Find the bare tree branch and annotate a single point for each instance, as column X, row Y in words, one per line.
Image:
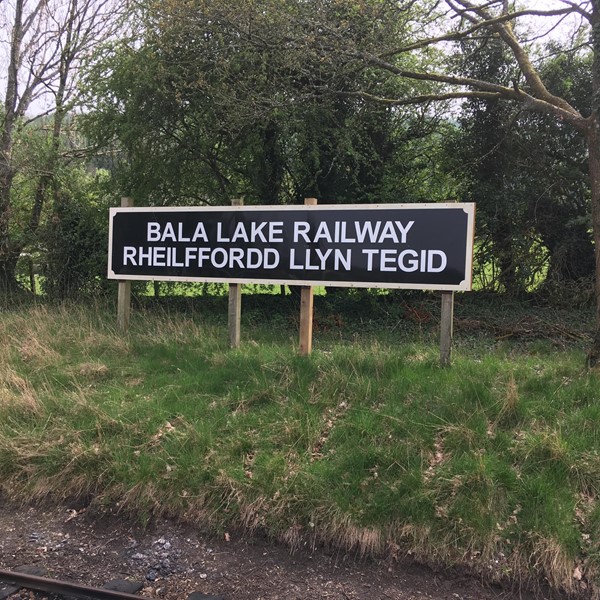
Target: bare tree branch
column 578, row 9
column 422, row 98
column 482, row 89
column 531, row 74
column 478, row 25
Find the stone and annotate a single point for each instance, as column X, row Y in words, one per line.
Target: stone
column 122, row 585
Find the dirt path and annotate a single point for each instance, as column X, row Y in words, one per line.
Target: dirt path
column 174, row 560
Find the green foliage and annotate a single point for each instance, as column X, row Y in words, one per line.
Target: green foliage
column 75, row 237
column 220, row 101
column 31, row 150
column 527, row 172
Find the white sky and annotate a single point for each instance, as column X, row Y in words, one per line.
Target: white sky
column 562, row 29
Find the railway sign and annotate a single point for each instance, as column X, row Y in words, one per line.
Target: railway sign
column 416, row 246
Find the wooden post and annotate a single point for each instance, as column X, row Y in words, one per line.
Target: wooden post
column 124, row 294
column 446, row 326
column 235, row 303
column 306, row 308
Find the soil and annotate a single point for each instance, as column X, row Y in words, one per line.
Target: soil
column 173, row 560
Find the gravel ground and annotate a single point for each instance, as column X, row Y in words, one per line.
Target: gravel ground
column 174, row 560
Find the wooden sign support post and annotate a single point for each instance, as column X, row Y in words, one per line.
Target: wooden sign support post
column 446, row 327
column 235, row 303
column 306, row 308
column 124, row 292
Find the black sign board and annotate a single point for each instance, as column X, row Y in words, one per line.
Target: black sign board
column 418, row 246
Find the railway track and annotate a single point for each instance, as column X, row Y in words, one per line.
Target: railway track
column 29, row 578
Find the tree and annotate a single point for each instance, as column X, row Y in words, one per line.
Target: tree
column 217, row 100
column 73, row 262
column 467, row 20
column 560, row 205
column 48, row 39
column 526, row 172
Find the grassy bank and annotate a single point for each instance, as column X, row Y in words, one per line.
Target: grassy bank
column 368, row 444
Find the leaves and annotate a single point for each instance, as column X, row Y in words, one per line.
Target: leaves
column 219, row 100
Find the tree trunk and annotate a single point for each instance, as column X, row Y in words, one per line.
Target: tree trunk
column 8, row 279
column 8, row 255
column 593, row 358
column 8, row 260
column 593, row 140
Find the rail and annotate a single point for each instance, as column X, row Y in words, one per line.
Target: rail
column 14, row 580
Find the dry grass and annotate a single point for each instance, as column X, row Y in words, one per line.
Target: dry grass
column 509, row 400
column 367, row 541
column 35, row 351
column 16, row 393
column 92, row 370
column 551, row 561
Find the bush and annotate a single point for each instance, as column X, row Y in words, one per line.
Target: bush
column 76, row 240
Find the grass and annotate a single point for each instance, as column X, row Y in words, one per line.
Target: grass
column 368, row 444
